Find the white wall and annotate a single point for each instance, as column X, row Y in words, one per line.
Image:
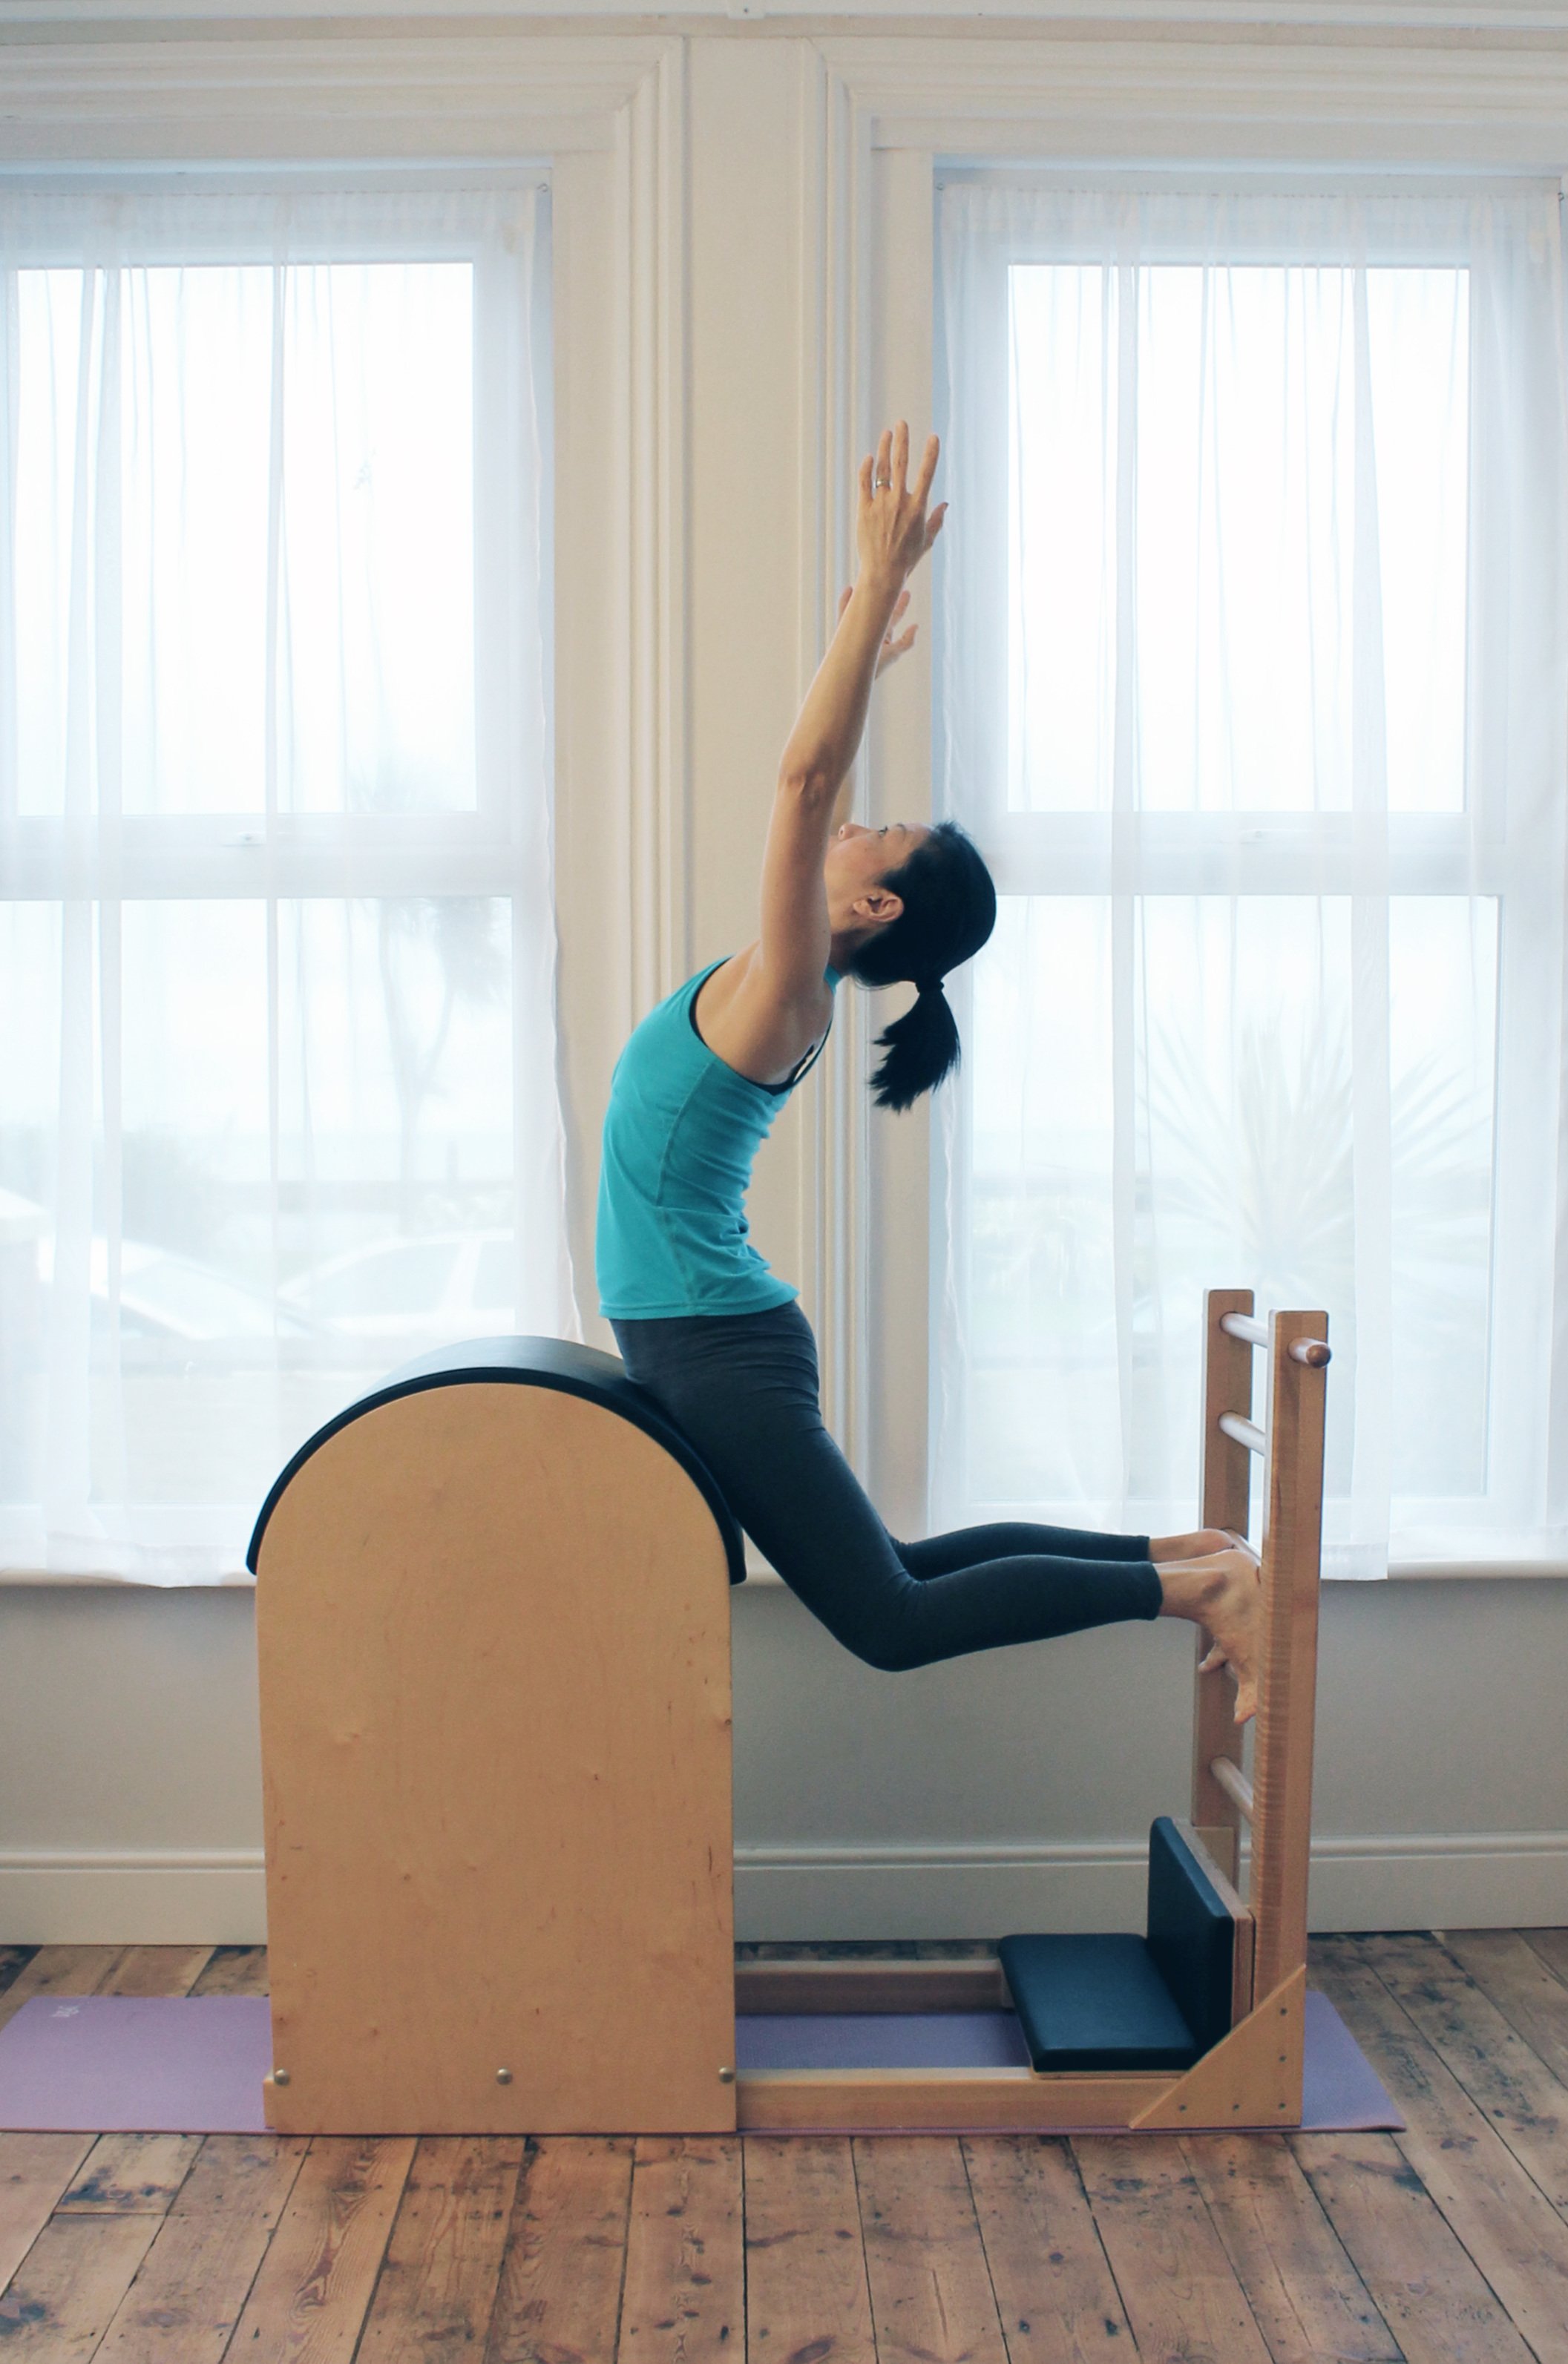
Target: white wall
column 1008, row 1789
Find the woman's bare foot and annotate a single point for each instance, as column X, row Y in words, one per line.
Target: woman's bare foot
column 1220, row 1592
column 1203, row 1544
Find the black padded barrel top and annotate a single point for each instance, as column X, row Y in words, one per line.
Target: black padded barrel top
column 557, row 1363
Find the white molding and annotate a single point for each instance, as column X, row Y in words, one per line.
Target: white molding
column 339, row 93
column 1210, row 94
column 834, row 395
column 927, row 1888
column 786, row 19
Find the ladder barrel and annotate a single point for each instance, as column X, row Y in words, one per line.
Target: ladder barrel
column 493, row 1628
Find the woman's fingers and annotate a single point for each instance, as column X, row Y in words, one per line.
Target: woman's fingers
column 897, row 532
column 893, row 650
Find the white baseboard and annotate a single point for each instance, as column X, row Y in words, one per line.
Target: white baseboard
column 1470, row 1879
column 1481, row 1880
column 158, row 1897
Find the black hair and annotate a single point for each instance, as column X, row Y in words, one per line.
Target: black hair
column 950, row 909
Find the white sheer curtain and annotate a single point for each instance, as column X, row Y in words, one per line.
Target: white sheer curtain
column 278, row 1103
column 1253, row 619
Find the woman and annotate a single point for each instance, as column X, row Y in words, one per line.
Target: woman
column 700, row 1321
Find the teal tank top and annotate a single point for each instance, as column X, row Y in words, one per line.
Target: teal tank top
column 680, row 1134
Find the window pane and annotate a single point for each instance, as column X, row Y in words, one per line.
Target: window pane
column 1212, row 499
column 311, row 1133
column 290, row 527
column 1236, row 1157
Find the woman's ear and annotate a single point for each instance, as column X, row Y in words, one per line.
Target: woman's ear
column 877, row 907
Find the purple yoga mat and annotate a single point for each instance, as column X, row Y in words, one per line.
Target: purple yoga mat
column 1340, row 2090
column 926, row 2039
column 130, row 2064
column 135, row 2064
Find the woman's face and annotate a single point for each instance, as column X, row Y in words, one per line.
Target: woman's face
column 859, row 858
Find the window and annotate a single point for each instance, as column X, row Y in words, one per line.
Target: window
column 274, row 772
column 1253, row 691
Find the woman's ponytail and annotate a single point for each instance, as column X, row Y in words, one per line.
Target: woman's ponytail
column 920, row 1048
column 950, row 909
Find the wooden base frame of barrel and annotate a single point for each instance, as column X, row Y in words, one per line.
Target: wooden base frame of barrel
column 494, row 1640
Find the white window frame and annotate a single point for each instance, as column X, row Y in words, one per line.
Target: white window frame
column 891, row 120
column 603, row 119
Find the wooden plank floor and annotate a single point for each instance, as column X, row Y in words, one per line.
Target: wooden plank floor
column 1445, row 2244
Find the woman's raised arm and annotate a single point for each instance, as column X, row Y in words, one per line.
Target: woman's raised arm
column 892, row 534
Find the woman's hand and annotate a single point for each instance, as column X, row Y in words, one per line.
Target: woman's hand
column 892, row 532
column 891, row 650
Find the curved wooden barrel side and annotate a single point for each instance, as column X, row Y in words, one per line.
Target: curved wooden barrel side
column 494, row 1642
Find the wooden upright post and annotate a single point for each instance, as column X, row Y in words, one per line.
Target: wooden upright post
column 1282, row 1756
column 1226, row 1483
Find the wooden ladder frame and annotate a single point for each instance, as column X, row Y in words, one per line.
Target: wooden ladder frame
column 1253, row 2077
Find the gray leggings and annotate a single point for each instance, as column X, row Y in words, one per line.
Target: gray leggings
column 744, row 1387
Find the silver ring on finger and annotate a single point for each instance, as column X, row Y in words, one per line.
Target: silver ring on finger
column 881, row 483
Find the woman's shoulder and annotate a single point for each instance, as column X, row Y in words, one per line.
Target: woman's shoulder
column 751, row 1026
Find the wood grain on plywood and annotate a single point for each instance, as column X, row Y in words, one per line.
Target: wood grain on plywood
column 1252, row 2076
column 939, row 2101
column 520, row 1881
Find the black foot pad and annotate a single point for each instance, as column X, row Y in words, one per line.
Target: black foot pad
column 1094, row 2003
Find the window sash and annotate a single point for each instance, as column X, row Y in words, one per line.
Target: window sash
column 1490, row 850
